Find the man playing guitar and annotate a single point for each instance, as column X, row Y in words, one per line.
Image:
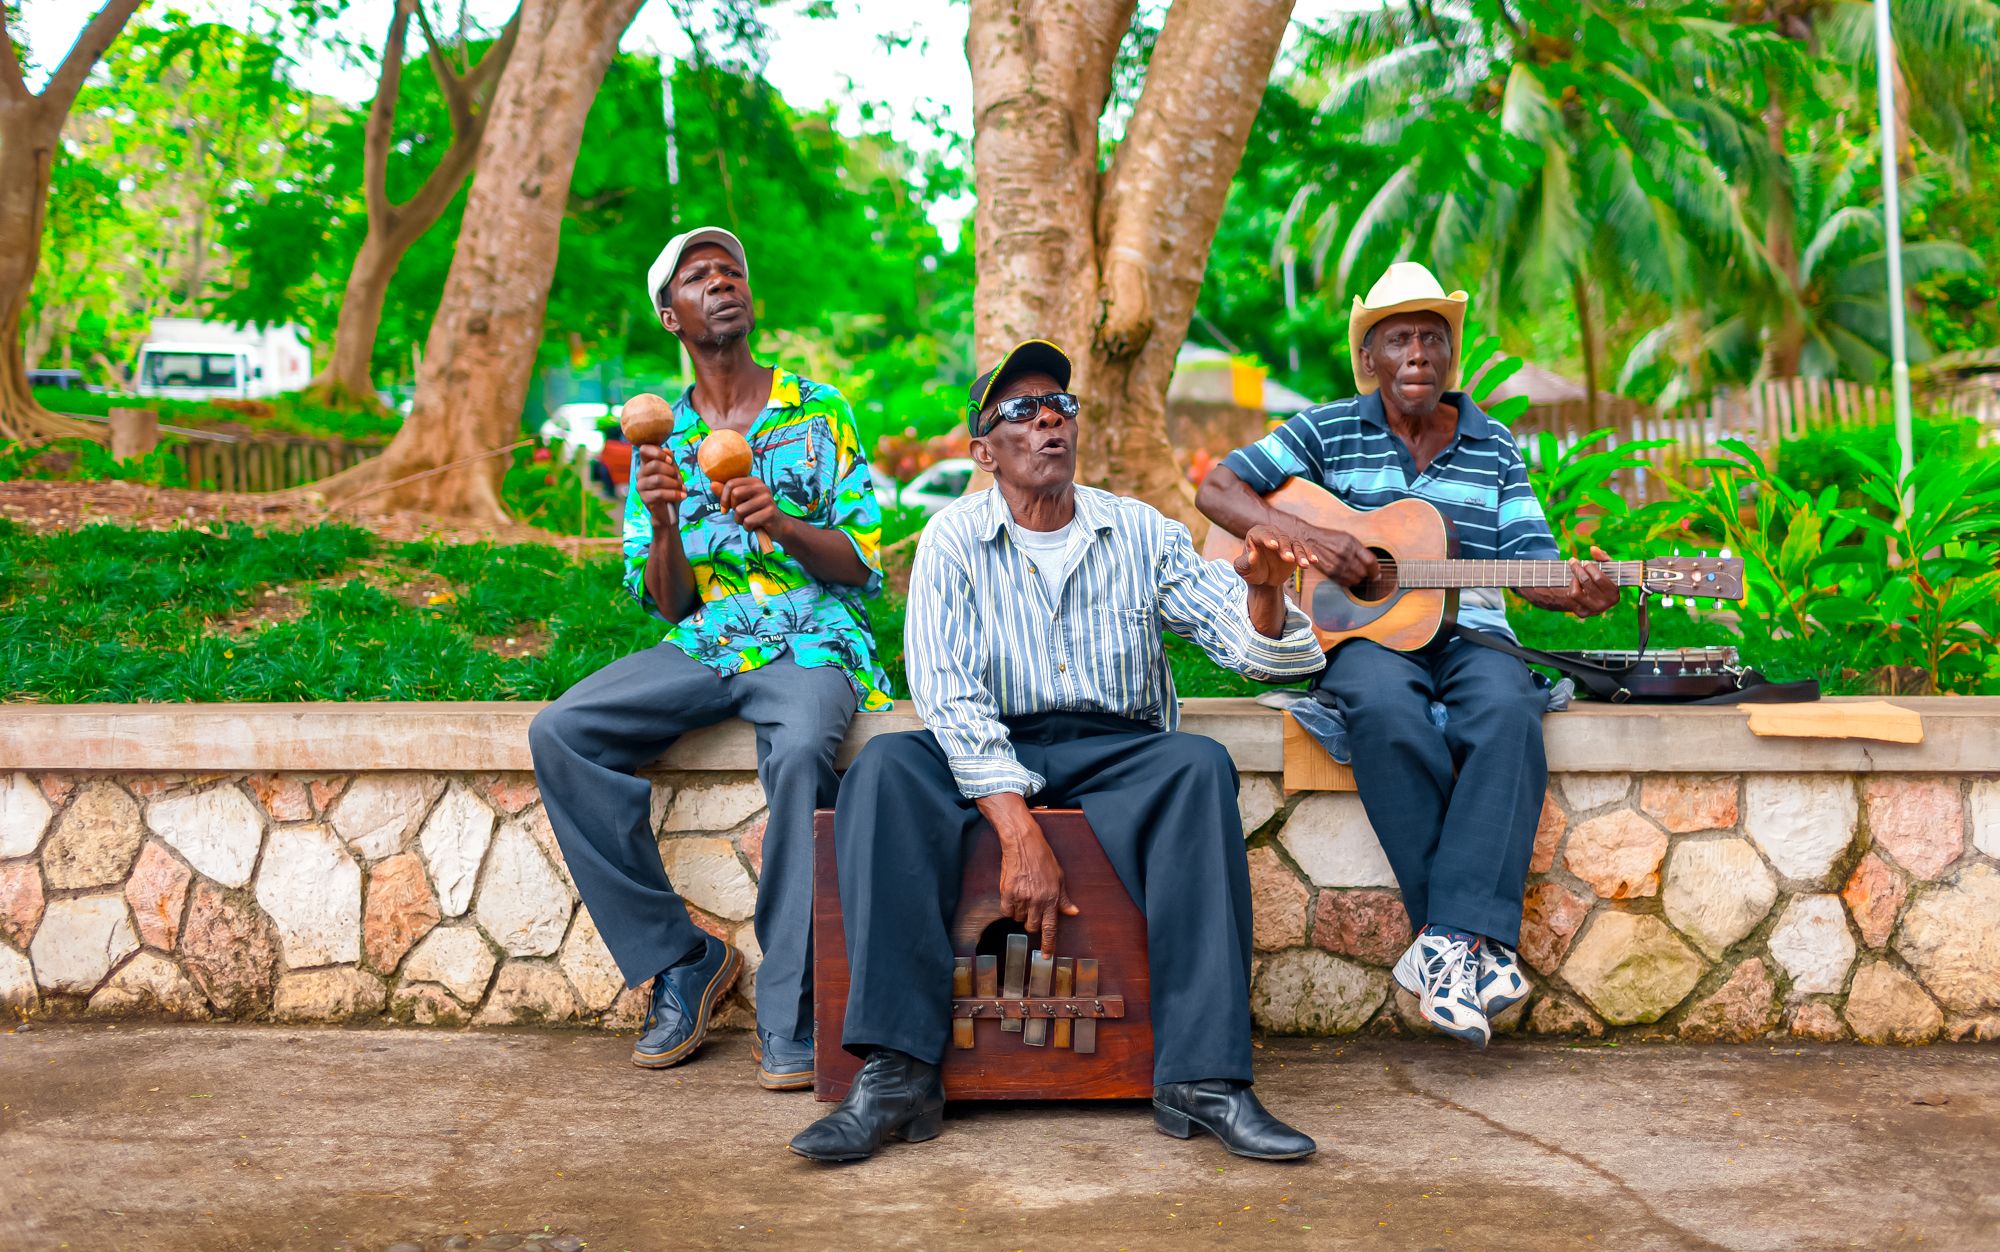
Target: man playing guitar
column 1455, row 807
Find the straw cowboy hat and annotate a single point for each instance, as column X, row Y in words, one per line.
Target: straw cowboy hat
column 1406, row 287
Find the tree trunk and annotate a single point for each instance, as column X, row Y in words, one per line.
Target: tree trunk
column 347, row 380
column 1788, row 341
column 1586, row 333
column 30, row 128
column 1109, row 267
column 482, row 345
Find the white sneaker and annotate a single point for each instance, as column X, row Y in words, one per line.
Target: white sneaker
column 1500, row 983
column 1443, row 974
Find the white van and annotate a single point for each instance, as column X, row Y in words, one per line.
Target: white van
column 188, row 359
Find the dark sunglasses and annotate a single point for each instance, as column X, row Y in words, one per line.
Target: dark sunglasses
column 1026, row 408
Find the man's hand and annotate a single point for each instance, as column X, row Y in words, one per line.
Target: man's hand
column 1337, row 554
column 1031, row 879
column 1590, row 589
column 1269, row 559
column 659, row 485
column 750, row 499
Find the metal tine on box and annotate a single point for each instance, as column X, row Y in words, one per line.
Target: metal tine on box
column 1086, row 988
column 1065, row 988
column 1014, row 982
column 961, row 987
column 1040, row 970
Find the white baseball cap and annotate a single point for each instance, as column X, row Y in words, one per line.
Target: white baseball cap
column 669, row 260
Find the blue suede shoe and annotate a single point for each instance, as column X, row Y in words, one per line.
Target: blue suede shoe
column 783, row 1064
column 684, row 999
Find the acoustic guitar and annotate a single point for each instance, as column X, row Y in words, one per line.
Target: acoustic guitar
column 1414, row 596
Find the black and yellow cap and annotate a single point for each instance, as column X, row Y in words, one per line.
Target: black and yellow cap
column 1029, row 354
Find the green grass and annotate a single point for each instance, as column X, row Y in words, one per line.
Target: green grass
column 112, row 614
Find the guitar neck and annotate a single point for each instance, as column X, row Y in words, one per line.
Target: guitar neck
column 1460, row 573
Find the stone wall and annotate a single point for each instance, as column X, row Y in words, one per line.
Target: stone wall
column 1705, row 907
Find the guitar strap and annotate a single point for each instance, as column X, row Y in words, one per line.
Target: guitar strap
column 1607, row 683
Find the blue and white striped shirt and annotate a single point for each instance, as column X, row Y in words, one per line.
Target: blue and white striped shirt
column 984, row 640
column 1478, row 482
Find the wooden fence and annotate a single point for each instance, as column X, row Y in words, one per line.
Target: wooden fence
column 266, row 462
column 1763, row 416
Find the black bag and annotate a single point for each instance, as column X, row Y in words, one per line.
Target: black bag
column 1684, row 676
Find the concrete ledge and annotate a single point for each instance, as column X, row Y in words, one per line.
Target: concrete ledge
column 1960, row 736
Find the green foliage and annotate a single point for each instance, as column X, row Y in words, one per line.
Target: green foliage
column 280, row 415
column 1824, row 456
column 1569, row 481
column 542, row 489
column 1614, row 183
column 1846, row 591
column 87, row 461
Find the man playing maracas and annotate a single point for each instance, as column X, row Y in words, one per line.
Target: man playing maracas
column 773, row 634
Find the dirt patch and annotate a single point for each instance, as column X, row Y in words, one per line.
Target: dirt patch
column 529, row 640
column 272, row 606
column 46, row 506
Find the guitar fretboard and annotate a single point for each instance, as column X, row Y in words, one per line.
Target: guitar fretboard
column 1461, row 573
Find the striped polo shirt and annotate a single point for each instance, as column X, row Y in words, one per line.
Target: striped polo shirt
column 1478, row 482
column 986, row 636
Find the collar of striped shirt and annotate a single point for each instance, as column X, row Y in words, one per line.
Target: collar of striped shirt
column 995, row 517
column 1472, row 420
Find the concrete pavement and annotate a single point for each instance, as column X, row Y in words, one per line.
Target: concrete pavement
column 236, row 1137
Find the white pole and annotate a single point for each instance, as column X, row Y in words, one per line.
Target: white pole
column 1892, row 222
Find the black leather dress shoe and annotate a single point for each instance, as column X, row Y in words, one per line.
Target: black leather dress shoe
column 1232, row 1113
column 894, row 1094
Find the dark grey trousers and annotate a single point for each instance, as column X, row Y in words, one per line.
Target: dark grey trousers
column 586, row 747
column 1162, row 805
column 1459, row 844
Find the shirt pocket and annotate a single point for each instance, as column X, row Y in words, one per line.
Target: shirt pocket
column 1125, row 635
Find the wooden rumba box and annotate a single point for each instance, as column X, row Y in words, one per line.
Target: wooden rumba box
column 1093, row 1045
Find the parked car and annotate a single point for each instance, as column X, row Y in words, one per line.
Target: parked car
column 938, row 485
column 189, row 359
column 580, row 425
column 61, row 380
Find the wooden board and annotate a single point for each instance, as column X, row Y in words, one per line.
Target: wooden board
column 1861, row 719
column 1307, row 765
column 1000, row 1065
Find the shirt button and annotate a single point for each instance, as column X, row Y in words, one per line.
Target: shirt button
column 1062, row 667
column 1032, row 569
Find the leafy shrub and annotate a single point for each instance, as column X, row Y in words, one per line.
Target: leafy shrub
column 86, row 461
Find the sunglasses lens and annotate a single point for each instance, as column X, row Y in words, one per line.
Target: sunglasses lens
column 1062, row 402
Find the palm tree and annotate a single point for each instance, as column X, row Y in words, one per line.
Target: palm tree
column 1556, row 149
column 1837, row 312
column 1948, row 61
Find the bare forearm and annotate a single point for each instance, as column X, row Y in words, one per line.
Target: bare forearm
column 1229, row 502
column 1008, row 813
column 1266, row 608
column 669, row 577
column 827, row 555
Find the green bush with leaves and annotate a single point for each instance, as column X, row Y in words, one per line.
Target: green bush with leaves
column 86, row 461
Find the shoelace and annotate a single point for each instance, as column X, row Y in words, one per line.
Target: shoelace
column 1448, row 963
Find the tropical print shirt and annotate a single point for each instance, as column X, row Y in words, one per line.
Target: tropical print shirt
column 756, row 604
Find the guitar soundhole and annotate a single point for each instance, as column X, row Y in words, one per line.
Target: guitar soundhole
column 1379, row 586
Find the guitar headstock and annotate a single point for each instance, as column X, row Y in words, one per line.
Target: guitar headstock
column 1704, row 577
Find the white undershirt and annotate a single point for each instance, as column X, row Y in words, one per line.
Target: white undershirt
column 1051, row 553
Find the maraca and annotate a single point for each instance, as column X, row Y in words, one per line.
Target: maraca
column 646, row 419
column 723, row 456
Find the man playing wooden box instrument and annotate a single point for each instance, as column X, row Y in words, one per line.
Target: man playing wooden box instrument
column 774, row 635
column 1033, row 643
column 1455, row 807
